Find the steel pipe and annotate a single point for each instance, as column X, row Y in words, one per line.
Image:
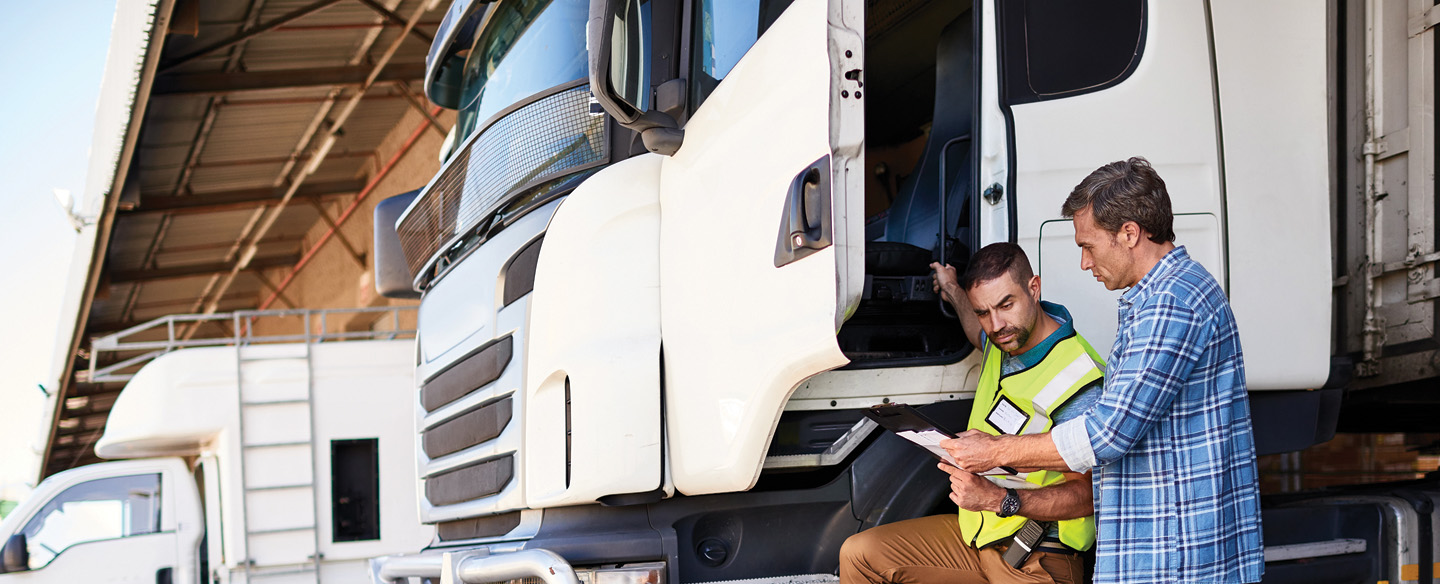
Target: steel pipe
column 390, row 569
column 543, row 564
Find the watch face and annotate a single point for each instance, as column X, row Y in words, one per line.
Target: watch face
column 1011, row 504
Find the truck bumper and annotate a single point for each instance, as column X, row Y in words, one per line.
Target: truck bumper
column 477, row 566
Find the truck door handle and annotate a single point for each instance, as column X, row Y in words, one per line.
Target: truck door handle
column 805, row 225
column 164, row 575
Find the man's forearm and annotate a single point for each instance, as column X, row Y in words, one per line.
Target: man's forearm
column 977, row 451
column 1068, row 500
column 961, row 303
column 1027, row 452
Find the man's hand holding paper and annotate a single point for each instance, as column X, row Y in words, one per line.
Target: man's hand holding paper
column 973, row 451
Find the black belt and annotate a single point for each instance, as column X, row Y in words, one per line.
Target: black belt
column 1015, row 553
column 1055, row 547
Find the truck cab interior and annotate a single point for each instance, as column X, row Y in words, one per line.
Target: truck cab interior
column 919, row 86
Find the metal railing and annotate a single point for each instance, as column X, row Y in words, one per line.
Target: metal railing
column 242, row 332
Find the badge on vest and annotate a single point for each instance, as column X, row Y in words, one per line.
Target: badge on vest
column 1007, row 417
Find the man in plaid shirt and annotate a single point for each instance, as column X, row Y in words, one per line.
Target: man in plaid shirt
column 1169, row 442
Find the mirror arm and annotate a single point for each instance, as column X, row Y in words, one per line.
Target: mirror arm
column 663, row 140
column 658, row 130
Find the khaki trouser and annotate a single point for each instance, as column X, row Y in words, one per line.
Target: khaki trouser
column 930, row 550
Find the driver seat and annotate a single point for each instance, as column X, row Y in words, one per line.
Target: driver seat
column 911, row 236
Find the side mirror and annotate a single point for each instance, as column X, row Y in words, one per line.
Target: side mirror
column 618, row 40
column 392, row 273
column 15, row 557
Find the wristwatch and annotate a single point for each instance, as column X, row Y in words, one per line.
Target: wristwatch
column 1010, row 505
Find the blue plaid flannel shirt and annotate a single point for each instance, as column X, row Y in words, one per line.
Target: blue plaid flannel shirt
column 1170, row 440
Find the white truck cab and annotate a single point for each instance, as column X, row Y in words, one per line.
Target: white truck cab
column 125, row 521
column 245, row 463
column 720, row 233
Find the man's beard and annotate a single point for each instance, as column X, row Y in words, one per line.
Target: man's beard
column 1022, row 336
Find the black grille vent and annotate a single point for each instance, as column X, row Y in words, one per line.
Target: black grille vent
column 470, row 482
column 476, row 427
column 478, row 527
column 473, row 372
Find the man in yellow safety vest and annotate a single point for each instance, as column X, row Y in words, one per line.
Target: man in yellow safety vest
column 1013, row 526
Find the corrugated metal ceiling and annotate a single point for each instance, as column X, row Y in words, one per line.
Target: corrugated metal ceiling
column 214, row 141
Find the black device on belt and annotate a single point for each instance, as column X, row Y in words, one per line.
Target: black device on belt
column 1024, row 542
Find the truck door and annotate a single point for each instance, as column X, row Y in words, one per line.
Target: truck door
column 760, row 254
column 1070, row 87
column 102, row 529
column 756, row 267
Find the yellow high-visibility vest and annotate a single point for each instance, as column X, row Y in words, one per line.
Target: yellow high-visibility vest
column 1023, row 403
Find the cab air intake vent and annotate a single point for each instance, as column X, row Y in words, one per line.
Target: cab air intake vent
column 470, row 482
column 469, row 429
column 472, row 372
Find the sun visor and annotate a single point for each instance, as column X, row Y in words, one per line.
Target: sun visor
column 443, row 63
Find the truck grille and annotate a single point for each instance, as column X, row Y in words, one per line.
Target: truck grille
column 552, row 136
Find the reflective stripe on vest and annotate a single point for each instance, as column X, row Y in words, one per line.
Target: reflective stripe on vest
column 1036, row 392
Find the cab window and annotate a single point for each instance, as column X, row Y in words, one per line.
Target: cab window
column 1056, row 48
column 527, row 46
column 723, row 31
column 109, row 508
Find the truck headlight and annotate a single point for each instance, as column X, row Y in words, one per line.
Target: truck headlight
column 648, row 573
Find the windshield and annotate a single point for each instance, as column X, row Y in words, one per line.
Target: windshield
column 527, row 46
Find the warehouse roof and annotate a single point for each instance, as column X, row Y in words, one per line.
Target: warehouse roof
column 240, row 120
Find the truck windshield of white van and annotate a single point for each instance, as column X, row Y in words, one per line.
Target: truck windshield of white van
column 525, row 47
column 108, row 508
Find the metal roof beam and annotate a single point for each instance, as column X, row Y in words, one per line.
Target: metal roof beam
column 68, row 457
column 396, row 19
column 198, row 270
column 241, row 199
column 87, row 389
column 416, row 102
column 202, row 83
column 94, row 406
column 247, row 34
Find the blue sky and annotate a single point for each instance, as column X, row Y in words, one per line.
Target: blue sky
column 52, row 55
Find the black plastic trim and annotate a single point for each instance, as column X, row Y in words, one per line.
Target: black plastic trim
column 471, row 482
column 519, row 272
column 471, row 372
column 478, row 527
column 476, row 426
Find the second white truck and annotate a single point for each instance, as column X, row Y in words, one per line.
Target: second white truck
column 278, row 463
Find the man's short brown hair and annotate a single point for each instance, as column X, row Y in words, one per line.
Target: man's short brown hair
column 995, row 260
column 1119, row 192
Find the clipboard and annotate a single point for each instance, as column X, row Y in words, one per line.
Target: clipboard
column 910, row 424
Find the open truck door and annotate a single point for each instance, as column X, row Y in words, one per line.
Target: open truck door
column 761, row 248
